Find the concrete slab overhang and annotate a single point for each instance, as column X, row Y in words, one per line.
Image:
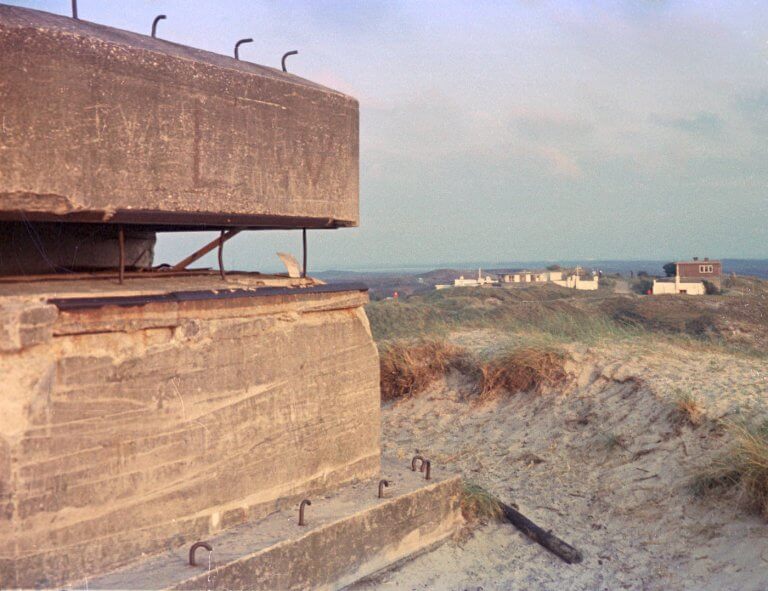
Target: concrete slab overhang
column 104, row 125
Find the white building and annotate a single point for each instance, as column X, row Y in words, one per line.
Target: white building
column 480, row 281
column 573, row 280
column 531, row 277
column 578, row 282
column 677, row 285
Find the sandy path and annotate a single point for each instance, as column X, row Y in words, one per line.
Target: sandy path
column 621, row 286
column 605, row 465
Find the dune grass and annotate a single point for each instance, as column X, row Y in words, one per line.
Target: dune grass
column 743, row 467
column 408, row 368
column 687, row 408
column 526, row 369
column 478, row 505
column 542, row 316
column 436, row 314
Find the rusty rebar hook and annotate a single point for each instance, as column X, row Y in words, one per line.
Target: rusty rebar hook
column 428, row 465
column 222, row 272
column 158, row 18
column 194, row 548
column 304, row 503
column 238, row 44
column 416, row 458
column 121, row 254
column 382, row 484
column 285, row 55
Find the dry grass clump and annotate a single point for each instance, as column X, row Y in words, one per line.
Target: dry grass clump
column 744, row 466
column 528, row 369
column 688, row 409
column 408, row 368
column 750, row 459
column 477, row 504
column 612, row 441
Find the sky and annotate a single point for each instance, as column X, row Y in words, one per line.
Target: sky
column 512, row 131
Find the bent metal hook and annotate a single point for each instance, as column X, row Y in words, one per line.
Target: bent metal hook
column 158, row 18
column 304, row 503
column 238, row 44
column 285, row 55
column 194, row 548
column 382, row 484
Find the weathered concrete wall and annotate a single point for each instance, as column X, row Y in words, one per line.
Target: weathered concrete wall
column 35, row 248
column 349, row 534
column 101, row 124
column 124, row 428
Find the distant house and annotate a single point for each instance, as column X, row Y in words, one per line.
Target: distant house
column 531, row 276
column 700, row 270
column 576, row 281
column 573, row 279
column 690, row 277
column 480, row 281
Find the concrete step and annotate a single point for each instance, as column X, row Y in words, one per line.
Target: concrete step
column 349, row 534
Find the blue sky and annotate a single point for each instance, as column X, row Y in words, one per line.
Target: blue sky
column 523, row 130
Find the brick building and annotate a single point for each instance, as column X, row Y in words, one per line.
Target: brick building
column 704, row 270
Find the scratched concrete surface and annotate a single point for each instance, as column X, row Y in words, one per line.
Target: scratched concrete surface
column 128, row 431
column 349, row 533
column 100, row 124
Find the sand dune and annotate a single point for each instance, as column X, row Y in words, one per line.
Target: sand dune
column 605, row 464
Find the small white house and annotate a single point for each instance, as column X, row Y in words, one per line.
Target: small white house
column 531, row 277
column 479, row 281
column 676, row 285
column 578, row 282
column 573, row 280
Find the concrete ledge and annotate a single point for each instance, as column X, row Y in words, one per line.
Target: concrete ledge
column 349, row 535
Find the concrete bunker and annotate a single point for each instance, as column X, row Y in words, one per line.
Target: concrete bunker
column 145, row 409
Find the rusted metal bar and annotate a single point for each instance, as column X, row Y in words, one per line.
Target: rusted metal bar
column 74, row 9
column 426, row 465
column 107, row 274
column 200, row 253
column 382, row 484
column 237, row 47
column 221, row 257
column 121, row 245
column 194, row 548
column 304, row 250
column 200, row 295
column 158, row 18
column 304, row 503
column 416, row 458
column 285, row 55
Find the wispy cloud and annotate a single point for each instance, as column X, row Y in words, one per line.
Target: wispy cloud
column 483, row 116
column 703, row 123
column 753, row 106
column 561, row 163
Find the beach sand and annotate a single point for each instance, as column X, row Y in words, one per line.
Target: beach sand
column 605, row 464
